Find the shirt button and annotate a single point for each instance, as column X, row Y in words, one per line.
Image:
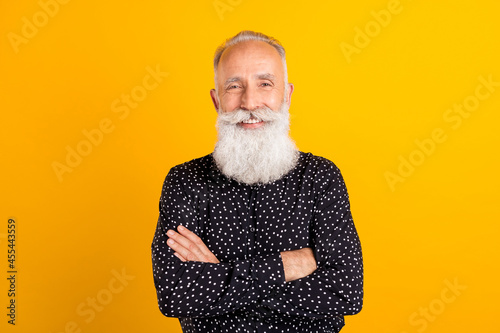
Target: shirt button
column 252, row 229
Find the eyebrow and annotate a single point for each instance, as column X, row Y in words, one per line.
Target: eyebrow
column 232, row 79
column 264, row 76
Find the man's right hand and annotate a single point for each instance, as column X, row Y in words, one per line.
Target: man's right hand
column 298, row 263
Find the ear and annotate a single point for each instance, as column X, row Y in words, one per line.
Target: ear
column 215, row 99
column 289, row 93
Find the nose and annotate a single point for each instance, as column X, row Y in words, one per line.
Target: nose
column 250, row 99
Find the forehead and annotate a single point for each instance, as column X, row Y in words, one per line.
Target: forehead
column 249, row 57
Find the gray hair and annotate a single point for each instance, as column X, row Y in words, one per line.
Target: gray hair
column 247, row 35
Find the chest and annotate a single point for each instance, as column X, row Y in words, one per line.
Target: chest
column 239, row 222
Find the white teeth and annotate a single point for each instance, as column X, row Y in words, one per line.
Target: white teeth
column 251, row 121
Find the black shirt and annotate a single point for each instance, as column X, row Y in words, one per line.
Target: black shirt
column 246, row 227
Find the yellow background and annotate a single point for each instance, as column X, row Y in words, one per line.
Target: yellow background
column 363, row 111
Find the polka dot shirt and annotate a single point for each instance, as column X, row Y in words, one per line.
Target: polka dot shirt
column 246, row 227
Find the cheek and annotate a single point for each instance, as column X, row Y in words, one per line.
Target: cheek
column 230, row 102
column 273, row 100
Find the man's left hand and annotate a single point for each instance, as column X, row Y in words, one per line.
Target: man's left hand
column 188, row 246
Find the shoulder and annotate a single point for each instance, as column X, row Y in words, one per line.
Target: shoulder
column 318, row 164
column 323, row 173
column 191, row 172
column 195, row 165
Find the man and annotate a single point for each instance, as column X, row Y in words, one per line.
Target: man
column 257, row 236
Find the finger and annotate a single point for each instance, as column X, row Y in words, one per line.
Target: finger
column 195, row 239
column 174, row 245
column 205, row 254
column 185, row 247
column 179, row 256
column 187, row 233
column 182, row 251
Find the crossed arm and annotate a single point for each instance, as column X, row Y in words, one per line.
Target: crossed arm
column 196, row 284
column 187, row 246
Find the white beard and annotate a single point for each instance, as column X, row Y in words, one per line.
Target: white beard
column 255, row 156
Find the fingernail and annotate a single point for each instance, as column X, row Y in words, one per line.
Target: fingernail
column 170, row 241
column 170, row 232
column 180, row 228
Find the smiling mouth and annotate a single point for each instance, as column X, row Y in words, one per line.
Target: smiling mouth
column 251, row 121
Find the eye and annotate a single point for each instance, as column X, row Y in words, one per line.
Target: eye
column 266, row 84
column 234, row 86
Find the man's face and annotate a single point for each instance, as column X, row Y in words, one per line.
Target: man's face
column 250, row 76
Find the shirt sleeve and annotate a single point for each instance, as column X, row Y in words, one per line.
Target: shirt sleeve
column 336, row 287
column 198, row 289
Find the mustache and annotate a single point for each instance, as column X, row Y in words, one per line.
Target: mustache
column 239, row 115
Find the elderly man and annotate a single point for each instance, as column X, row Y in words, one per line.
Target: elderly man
column 257, row 236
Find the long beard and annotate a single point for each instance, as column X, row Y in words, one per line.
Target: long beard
column 255, row 156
